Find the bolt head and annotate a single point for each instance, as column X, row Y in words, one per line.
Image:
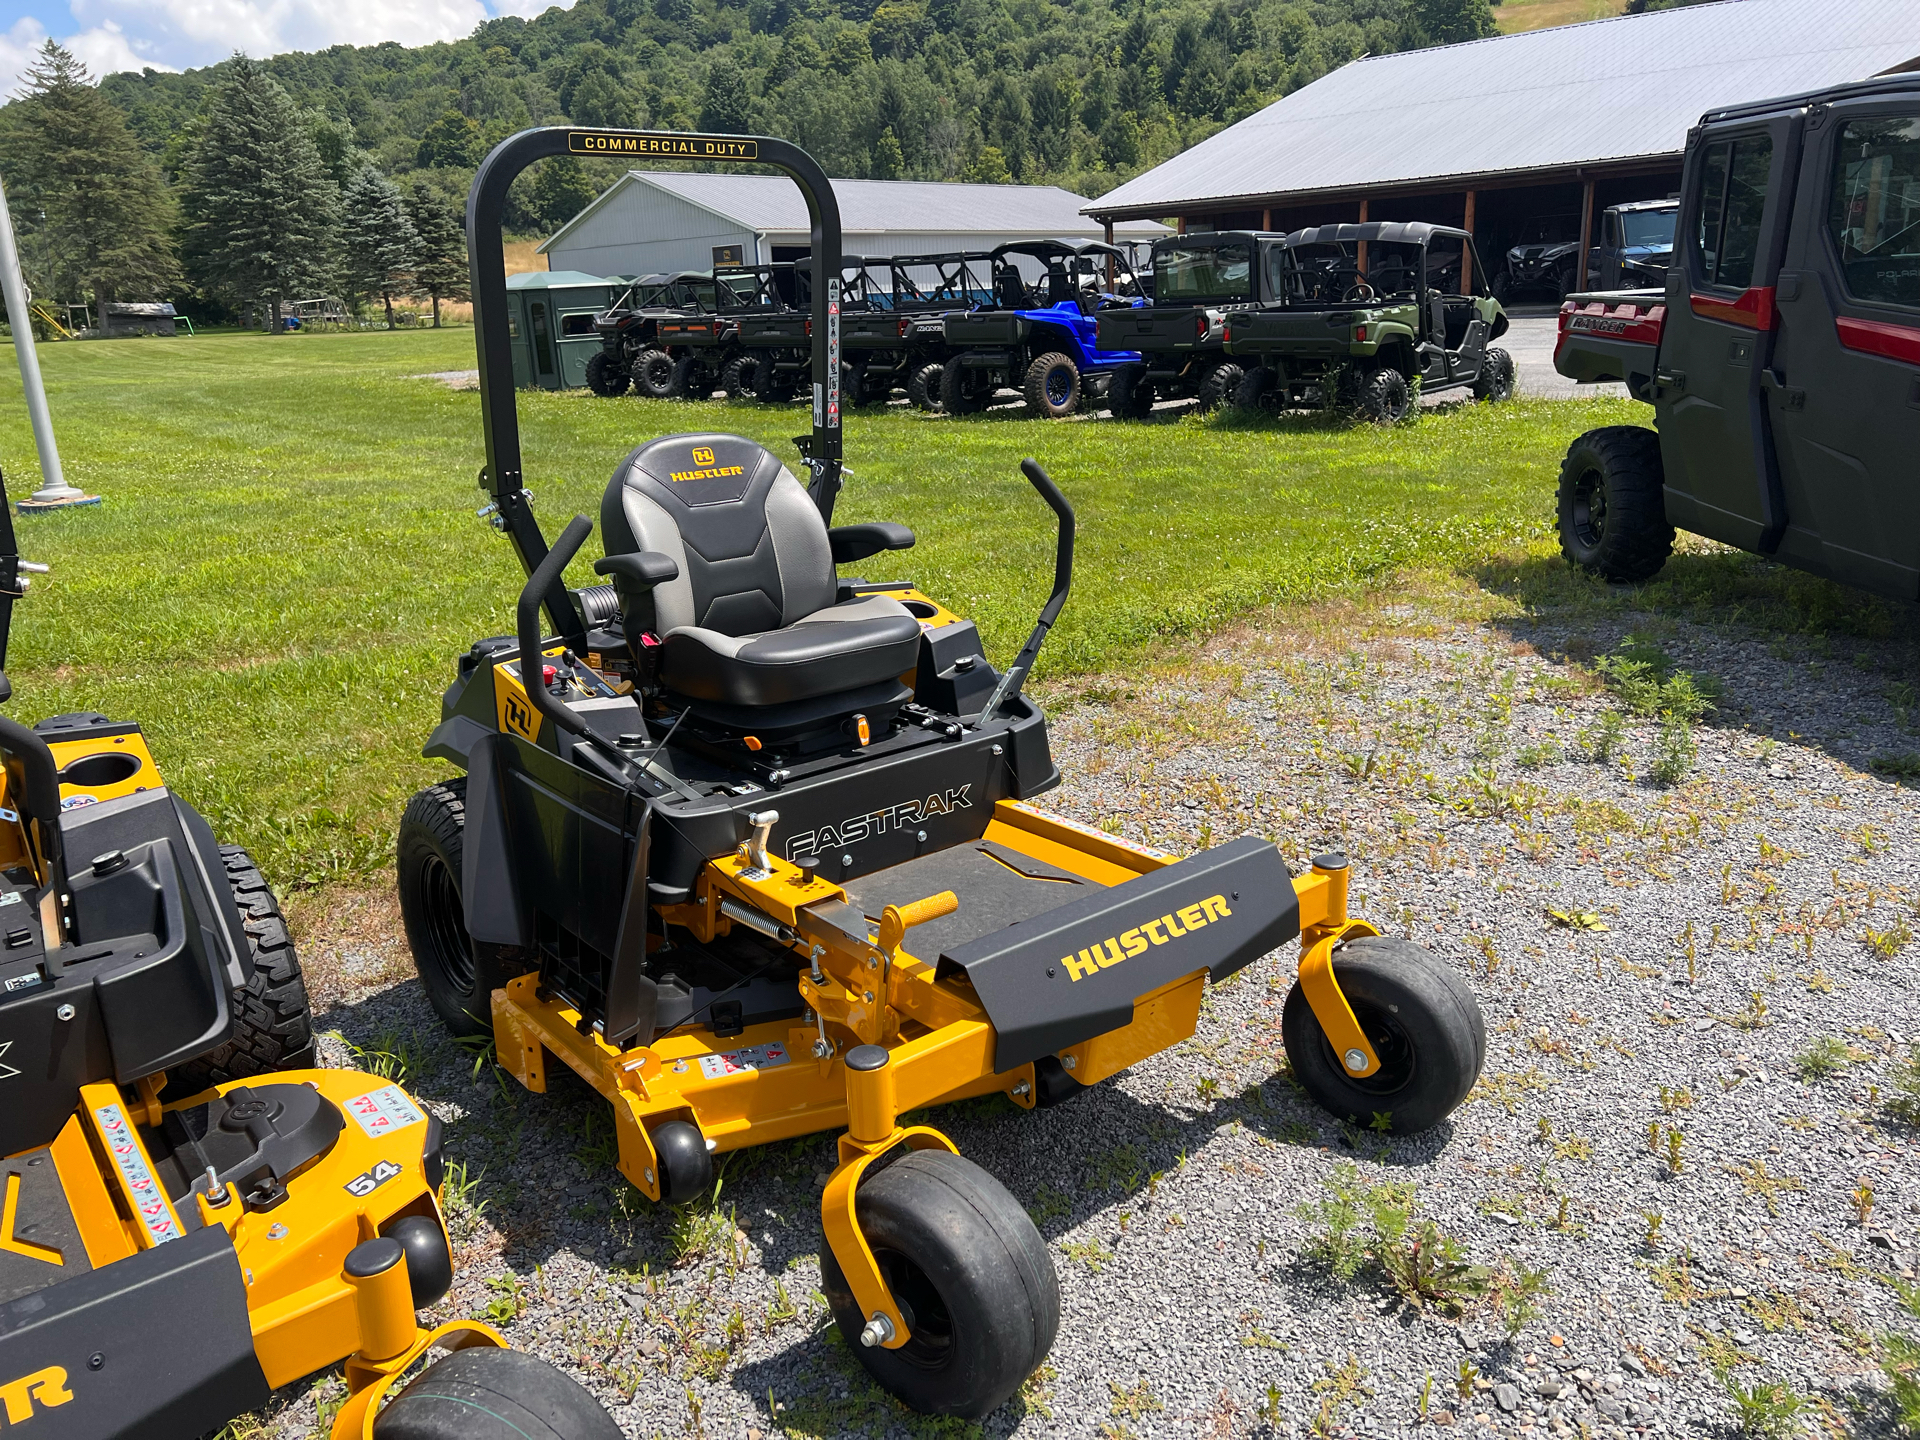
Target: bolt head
column 1071, row 1062
column 277, row 1232
column 821, row 1049
column 879, row 1330
column 649, row 1175
column 65, row 1012
column 1022, row 1088
column 1356, row 1061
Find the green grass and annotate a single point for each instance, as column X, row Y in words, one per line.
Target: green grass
column 288, row 561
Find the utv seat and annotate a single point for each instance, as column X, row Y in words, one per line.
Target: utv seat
column 725, row 570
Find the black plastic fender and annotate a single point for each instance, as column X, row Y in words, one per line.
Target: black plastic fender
column 1074, row 972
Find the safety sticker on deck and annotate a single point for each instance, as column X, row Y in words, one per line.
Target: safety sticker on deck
column 149, row 1200
column 740, row 1062
column 383, row 1111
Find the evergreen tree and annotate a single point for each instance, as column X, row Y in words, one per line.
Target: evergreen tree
column 1448, row 22
column 95, row 214
column 260, row 209
column 440, row 268
column 728, row 107
column 377, row 241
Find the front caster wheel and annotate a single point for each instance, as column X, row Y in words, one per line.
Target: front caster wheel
column 488, row 1394
column 686, row 1165
column 1422, row 1022
column 971, row 1276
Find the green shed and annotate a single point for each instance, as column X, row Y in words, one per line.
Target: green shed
column 550, row 318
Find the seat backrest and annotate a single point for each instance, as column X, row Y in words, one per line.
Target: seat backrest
column 1010, row 289
column 751, row 546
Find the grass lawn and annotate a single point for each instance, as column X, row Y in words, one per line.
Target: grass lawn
column 288, row 560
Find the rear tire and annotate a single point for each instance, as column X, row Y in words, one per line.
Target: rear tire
column 1221, row 385
column 960, row 394
column 690, row 379
column 972, row 1278
column 653, row 374
column 1497, row 378
column 272, row 1017
column 923, row 388
column 458, row 973
column 1422, row 1021
column 1130, row 395
column 605, row 376
column 1613, row 506
column 1254, row 395
column 1052, row 387
column 737, row 378
column 1384, row 397
column 483, row 1393
column 767, row 386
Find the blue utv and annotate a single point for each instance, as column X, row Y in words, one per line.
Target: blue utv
column 1037, row 335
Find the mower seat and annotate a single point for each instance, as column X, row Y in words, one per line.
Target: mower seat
column 749, row 615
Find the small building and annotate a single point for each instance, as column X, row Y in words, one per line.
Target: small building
column 550, row 325
column 683, row 220
column 136, row 317
column 1528, row 136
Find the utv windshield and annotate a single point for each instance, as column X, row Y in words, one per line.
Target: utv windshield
column 1648, row 229
column 1202, row 272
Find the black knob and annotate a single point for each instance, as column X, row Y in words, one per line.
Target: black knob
column 111, row 861
column 867, row 1057
column 374, row 1257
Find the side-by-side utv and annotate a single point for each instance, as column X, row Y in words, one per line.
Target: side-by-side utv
column 191, row 1214
column 751, row 848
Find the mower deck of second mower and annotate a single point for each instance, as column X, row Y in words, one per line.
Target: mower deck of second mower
column 749, row 846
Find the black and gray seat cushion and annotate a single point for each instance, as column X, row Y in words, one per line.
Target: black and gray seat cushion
column 751, row 617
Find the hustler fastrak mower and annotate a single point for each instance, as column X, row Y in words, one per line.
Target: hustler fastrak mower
column 749, row 847
column 191, row 1215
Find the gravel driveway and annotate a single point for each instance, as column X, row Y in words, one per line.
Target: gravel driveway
column 1659, row 965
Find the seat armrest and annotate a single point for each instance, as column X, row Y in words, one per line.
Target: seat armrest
column 643, row 568
column 857, row 542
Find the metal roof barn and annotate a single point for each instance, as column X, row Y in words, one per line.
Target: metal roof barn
column 1543, row 123
column 674, row 220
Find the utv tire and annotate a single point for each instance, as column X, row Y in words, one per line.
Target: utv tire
column 1497, row 378
column 923, row 388
column 1221, row 385
column 1255, row 394
column 737, row 378
column 690, row 379
column 459, row 973
column 1613, row 508
column 653, row 374
column 767, row 386
column 1052, row 387
column 1130, row 396
column 1383, row 397
column 605, row 377
column 482, row 1393
column 972, row 1278
column 272, row 1019
column 1422, row 1021
column 957, row 397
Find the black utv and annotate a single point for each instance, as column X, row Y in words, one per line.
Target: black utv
column 1197, row 280
column 632, row 350
column 1544, row 263
column 1636, row 245
column 1781, row 358
column 776, row 327
column 1370, row 312
column 899, row 339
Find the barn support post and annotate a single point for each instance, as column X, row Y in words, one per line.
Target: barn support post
column 1361, row 259
column 1466, row 257
column 1266, row 218
column 1109, row 230
column 1586, row 236
column 1180, row 226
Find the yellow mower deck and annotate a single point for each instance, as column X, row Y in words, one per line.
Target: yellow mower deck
column 775, row 1081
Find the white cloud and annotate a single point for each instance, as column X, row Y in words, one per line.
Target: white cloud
column 110, row 35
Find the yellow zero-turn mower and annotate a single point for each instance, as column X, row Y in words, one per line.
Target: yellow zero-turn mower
column 749, row 847
column 192, row 1215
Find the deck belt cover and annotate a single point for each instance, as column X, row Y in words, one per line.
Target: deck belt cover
column 1074, row 972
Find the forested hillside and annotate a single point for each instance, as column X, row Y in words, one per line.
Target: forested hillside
column 1078, row 92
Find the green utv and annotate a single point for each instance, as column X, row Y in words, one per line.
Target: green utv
column 1369, row 312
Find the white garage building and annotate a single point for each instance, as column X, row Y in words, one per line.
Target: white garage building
column 675, row 220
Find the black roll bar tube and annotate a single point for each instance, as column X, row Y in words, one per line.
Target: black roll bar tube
column 1016, row 675
column 486, row 256
column 545, row 577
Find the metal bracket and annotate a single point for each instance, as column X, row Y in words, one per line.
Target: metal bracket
column 884, row 1320
column 1330, row 1006
column 369, row 1380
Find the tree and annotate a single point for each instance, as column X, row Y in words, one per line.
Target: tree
column 1448, row 22
column 451, row 142
column 92, row 205
column 377, row 239
column 728, row 106
column 989, row 167
column 260, row 210
column 440, row 266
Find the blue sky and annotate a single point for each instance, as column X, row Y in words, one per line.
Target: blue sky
column 113, row 35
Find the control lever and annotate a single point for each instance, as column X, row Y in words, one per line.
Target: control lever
column 762, row 822
column 1016, row 675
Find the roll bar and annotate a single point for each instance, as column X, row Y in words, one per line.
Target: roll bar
column 486, row 205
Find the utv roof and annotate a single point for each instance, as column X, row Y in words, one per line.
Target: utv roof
column 1199, row 239
column 1668, row 204
column 1404, row 232
column 1904, row 83
column 1045, row 249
